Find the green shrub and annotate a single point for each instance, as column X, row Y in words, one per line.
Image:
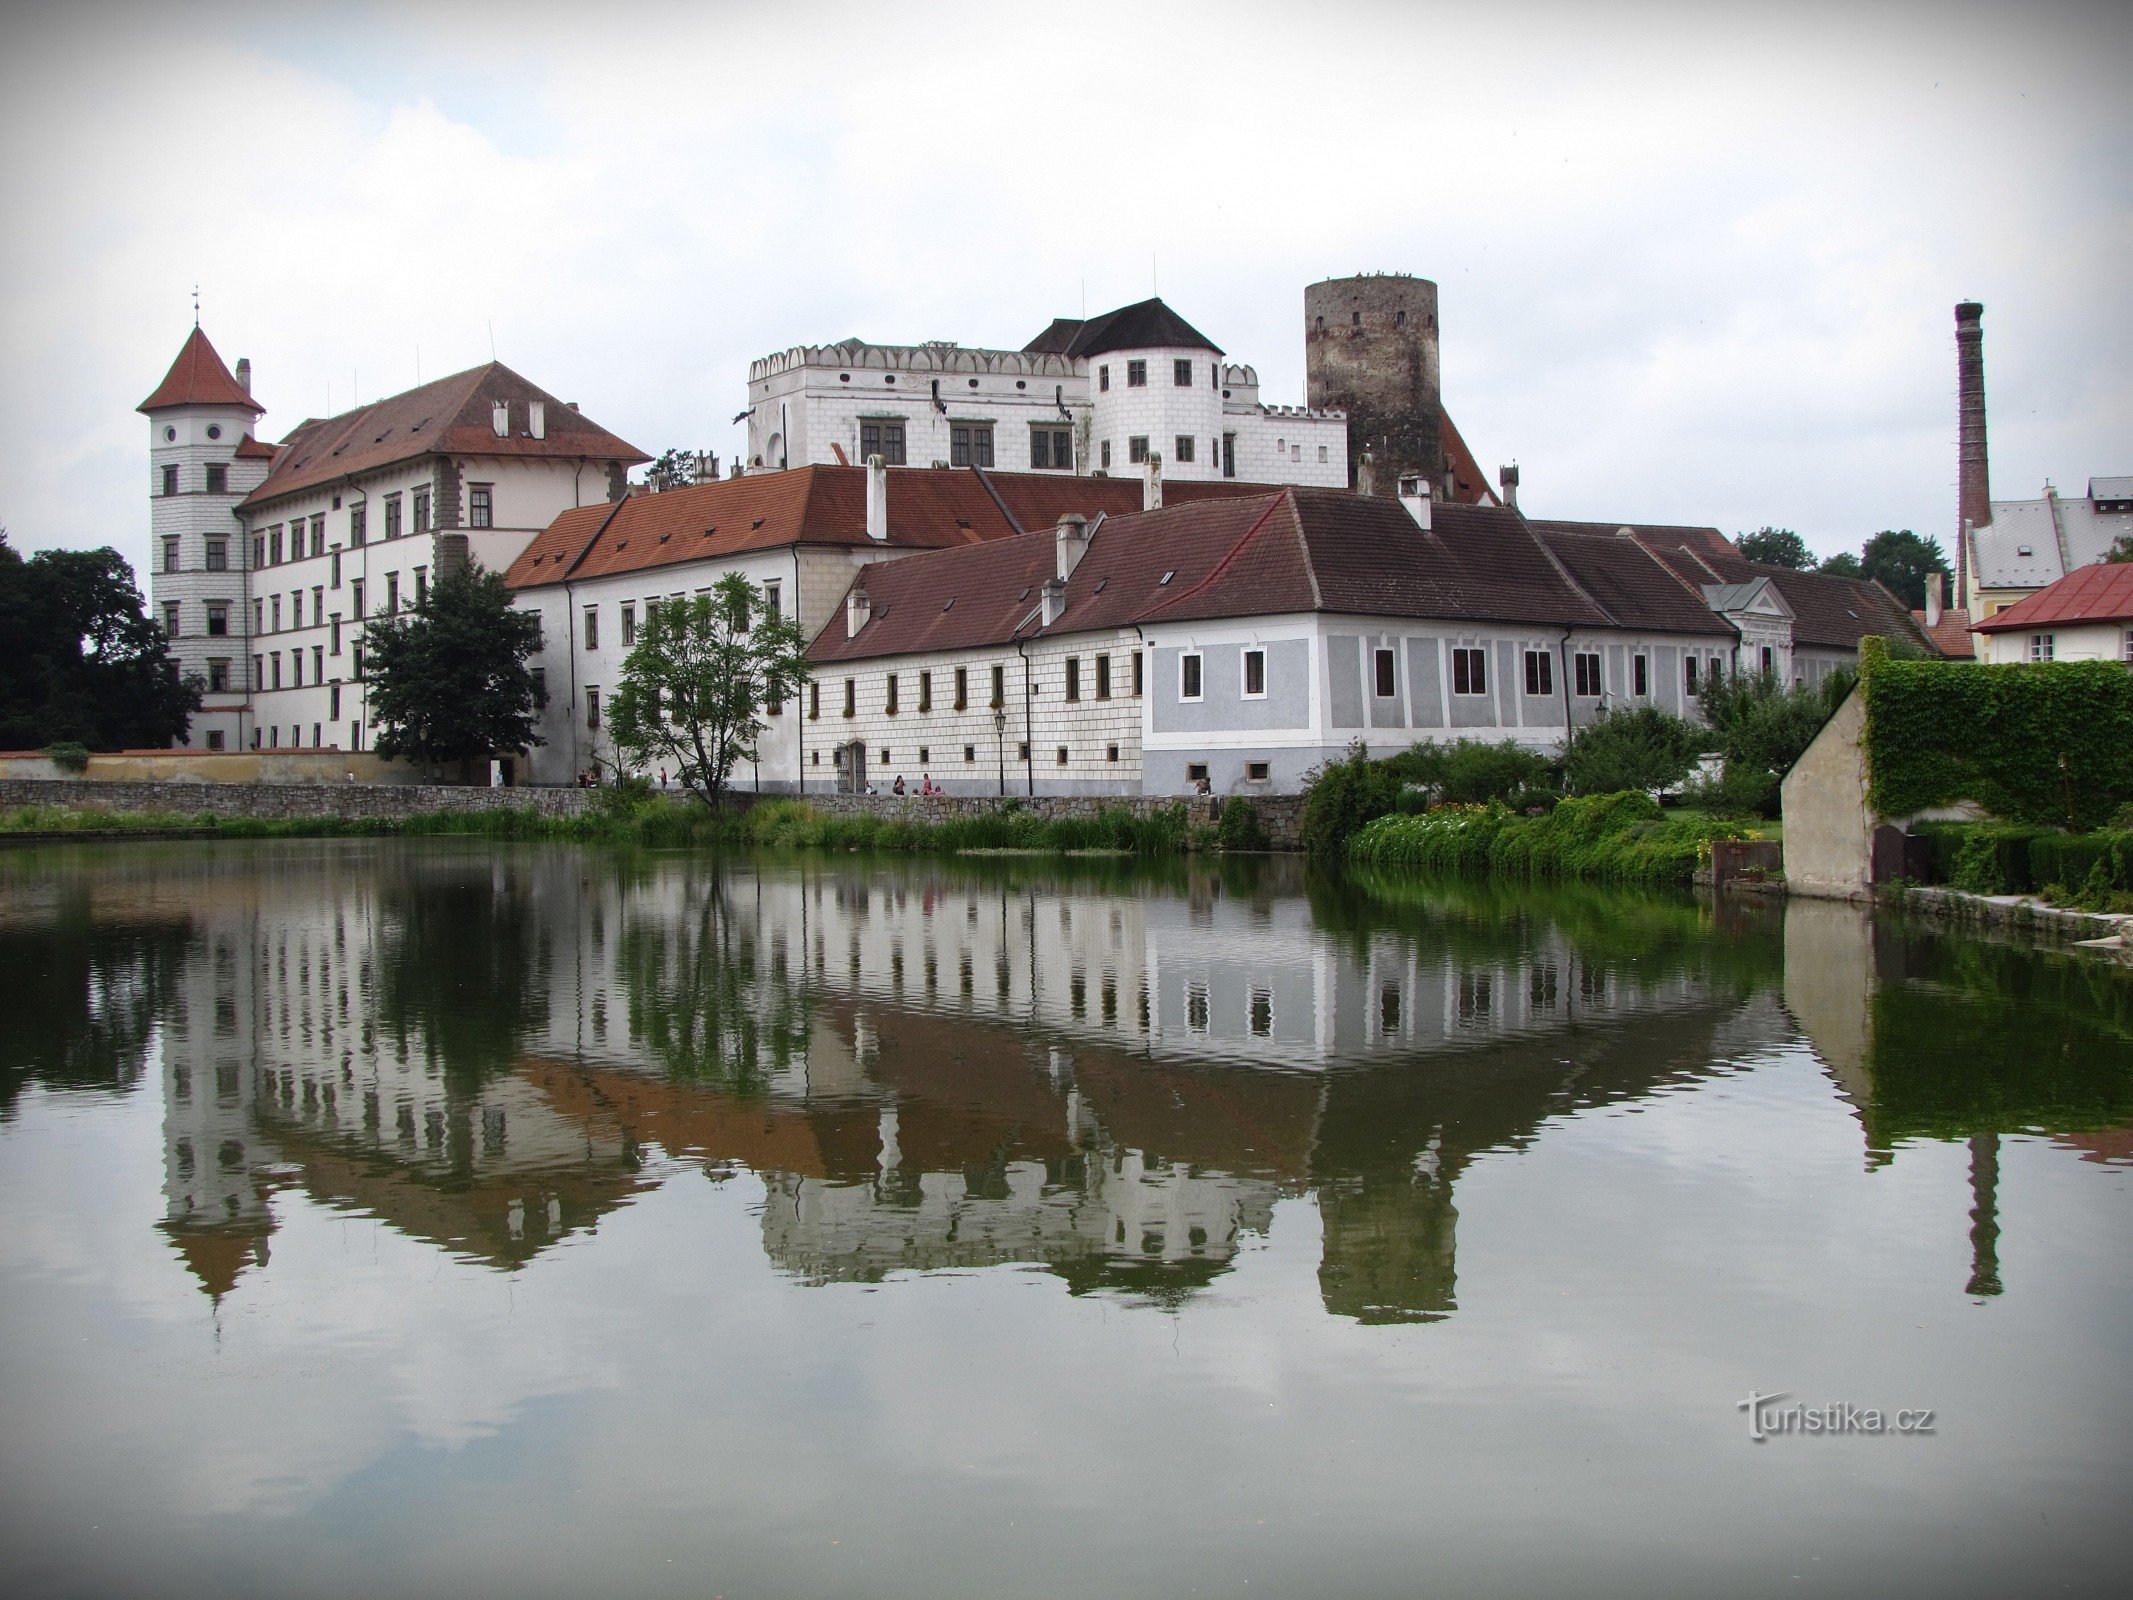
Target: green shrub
column 1341, row 796
column 68, row 756
column 1617, row 838
column 1239, row 827
column 1639, row 747
column 1761, row 728
column 1977, row 866
column 1738, row 791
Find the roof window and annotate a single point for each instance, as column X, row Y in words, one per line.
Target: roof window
column 2023, row 550
column 1166, row 577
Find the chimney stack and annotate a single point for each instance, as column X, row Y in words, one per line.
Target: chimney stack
column 1414, row 494
column 1073, row 542
column 1973, row 504
column 244, row 373
column 1054, row 600
column 877, row 500
column 857, row 609
column 1152, row 483
column 1934, row 599
column 1508, row 477
column 1366, row 473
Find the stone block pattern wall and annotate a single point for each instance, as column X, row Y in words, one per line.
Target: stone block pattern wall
column 277, row 801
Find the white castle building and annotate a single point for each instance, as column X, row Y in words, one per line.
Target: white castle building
column 1101, row 395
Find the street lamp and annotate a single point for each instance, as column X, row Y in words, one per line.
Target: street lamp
column 999, row 739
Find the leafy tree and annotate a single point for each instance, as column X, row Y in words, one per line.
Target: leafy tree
column 2122, row 550
column 82, row 662
column 674, row 469
column 1777, row 547
column 1901, row 561
column 449, row 681
column 697, row 684
column 1634, row 747
column 1842, row 565
column 1761, row 728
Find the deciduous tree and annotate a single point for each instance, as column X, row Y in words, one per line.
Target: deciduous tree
column 449, row 681
column 1777, row 547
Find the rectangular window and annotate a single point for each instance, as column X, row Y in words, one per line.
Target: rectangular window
column 773, row 599
column 1051, row 449
column 1136, row 374
column 2129, row 644
column 1196, row 772
column 2043, row 646
column 1258, row 772
column 592, row 708
column 1062, row 759
column 296, row 608
column 629, row 624
column 1585, row 671
column 259, row 550
column 422, row 588
column 970, row 444
column 296, row 669
column 884, row 439
column 218, row 676
column 318, row 605
column 274, row 668
column 1103, row 677
column 481, row 505
column 355, row 658
column 170, row 554
column 851, row 697
column 1470, row 671
column 970, row 754
column 1136, row 674
column 392, row 594
column 355, row 598
column 336, row 644
column 1110, row 752
column 218, row 555
column 358, row 525
column 333, row 580
column 1387, row 665
column 1255, row 674
column 1103, row 379
column 274, row 543
column 218, row 478
column 962, row 688
column 355, row 735
column 318, row 535
column 1769, row 665
column 814, row 700
column 170, row 619
column 259, row 616
column 218, row 619
column 925, row 691
column 318, row 663
column 1688, row 669
column 1184, row 444
column 1073, row 677
column 1641, row 677
column 1137, row 449
column 1540, row 672
column 1189, row 676
column 333, row 701
column 275, row 612
column 1107, row 455
column 170, row 481
column 392, row 516
column 999, row 687
column 1229, row 455
column 889, row 704
column 1181, row 372
column 592, row 627
column 422, row 511
column 259, row 673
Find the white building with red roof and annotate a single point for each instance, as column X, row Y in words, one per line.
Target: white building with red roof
column 2085, row 616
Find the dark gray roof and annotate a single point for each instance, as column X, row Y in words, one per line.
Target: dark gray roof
column 1146, row 325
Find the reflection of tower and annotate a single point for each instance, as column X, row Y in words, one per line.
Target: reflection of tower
column 215, row 1209
column 1390, row 1250
column 1370, row 349
column 1973, row 507
column 1984, row 1214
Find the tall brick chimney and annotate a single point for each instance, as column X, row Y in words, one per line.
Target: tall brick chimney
column 1973, row 497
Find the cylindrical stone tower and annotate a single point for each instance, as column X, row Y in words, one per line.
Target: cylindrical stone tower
column 1973, row 495
column 1370, row 349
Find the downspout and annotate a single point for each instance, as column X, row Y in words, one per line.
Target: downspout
column 1029, row 738
column 800, row 711
column 570, row 653
column 1562, row 669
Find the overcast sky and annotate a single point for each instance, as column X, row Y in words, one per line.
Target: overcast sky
column 1697, row 263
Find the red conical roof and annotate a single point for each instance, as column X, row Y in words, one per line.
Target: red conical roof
column 198, row 378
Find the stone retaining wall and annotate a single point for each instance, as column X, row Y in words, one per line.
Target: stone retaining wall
column 273, row 801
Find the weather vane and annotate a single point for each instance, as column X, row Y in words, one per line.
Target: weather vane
column 196, row 305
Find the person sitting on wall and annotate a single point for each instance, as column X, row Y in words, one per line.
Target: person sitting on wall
column 870, row 789
column 898, row 786
column 1202, row 786
column 925, row 784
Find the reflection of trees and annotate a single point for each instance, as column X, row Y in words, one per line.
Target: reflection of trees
column 84, row 998
column 462, row 964
column 704, row 998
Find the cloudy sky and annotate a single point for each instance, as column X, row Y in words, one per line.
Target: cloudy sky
column 1697, row 262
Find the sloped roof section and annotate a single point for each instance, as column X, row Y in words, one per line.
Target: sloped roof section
column 1145, row 325
column 2095, row 594
column 1950, row 635
column 1632, row 585
column 2030, row 543
column 1828, row 612
column 198, row 378
column 451, row 416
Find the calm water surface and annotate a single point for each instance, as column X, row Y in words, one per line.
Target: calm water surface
column 448, row 1219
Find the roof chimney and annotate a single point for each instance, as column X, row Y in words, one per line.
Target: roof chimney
column 877, row 500
column 1508, row 477
column 500, row 418
column 537, row 418
column 857, row 608
column 1933, row 599
column 1073, row 541
column 1414, row 494
column 1973, row 500
column 1054, row 600
column 1366, row 473
column 244, row 373
column 1152, row 483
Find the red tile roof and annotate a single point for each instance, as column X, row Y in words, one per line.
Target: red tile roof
column 1470, row 485
column 1632, row 584
column 451, row 416
column 2100, row 593
column 198, row 378
column 250, row 449
column 1950, row 635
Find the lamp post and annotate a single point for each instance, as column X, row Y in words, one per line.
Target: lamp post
column 999, row 740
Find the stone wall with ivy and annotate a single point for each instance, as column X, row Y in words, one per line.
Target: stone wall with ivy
column 2049, row 744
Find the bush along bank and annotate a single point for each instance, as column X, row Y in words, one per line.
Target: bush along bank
column 2082, row 871
column 1616, row 838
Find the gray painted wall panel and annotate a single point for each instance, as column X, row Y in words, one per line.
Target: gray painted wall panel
column 1425, row 683
column 1506, row 686
column 1344, row 675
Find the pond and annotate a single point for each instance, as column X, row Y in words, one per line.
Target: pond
column 452, row 1218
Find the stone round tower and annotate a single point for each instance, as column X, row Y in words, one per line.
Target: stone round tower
column 1370, row 349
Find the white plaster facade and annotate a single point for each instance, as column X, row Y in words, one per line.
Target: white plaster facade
column 2058, row 641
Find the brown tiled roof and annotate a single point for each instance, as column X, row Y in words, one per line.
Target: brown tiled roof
column 929, row 508
column 1470, row 485
column 451, row 416
column 2102, row 593
column 198, row 378
column 1950, row 635
column 1827, row 611
column 1631, row 584
column 250, row 449
column 1289, row 550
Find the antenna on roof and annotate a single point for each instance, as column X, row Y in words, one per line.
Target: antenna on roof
column 492, row 339
column 196, row 305
column 1155, row 286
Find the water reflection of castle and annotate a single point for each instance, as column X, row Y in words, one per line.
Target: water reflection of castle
column 928, row 1068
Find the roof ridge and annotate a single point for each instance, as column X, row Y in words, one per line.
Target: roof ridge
column 1564, row 572
column 985, row 479
column 1231, row 554
column 586, row 549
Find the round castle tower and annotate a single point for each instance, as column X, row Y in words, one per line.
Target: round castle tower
column 1370, row 349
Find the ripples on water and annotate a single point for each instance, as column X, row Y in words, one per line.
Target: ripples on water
column 468, row 1219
